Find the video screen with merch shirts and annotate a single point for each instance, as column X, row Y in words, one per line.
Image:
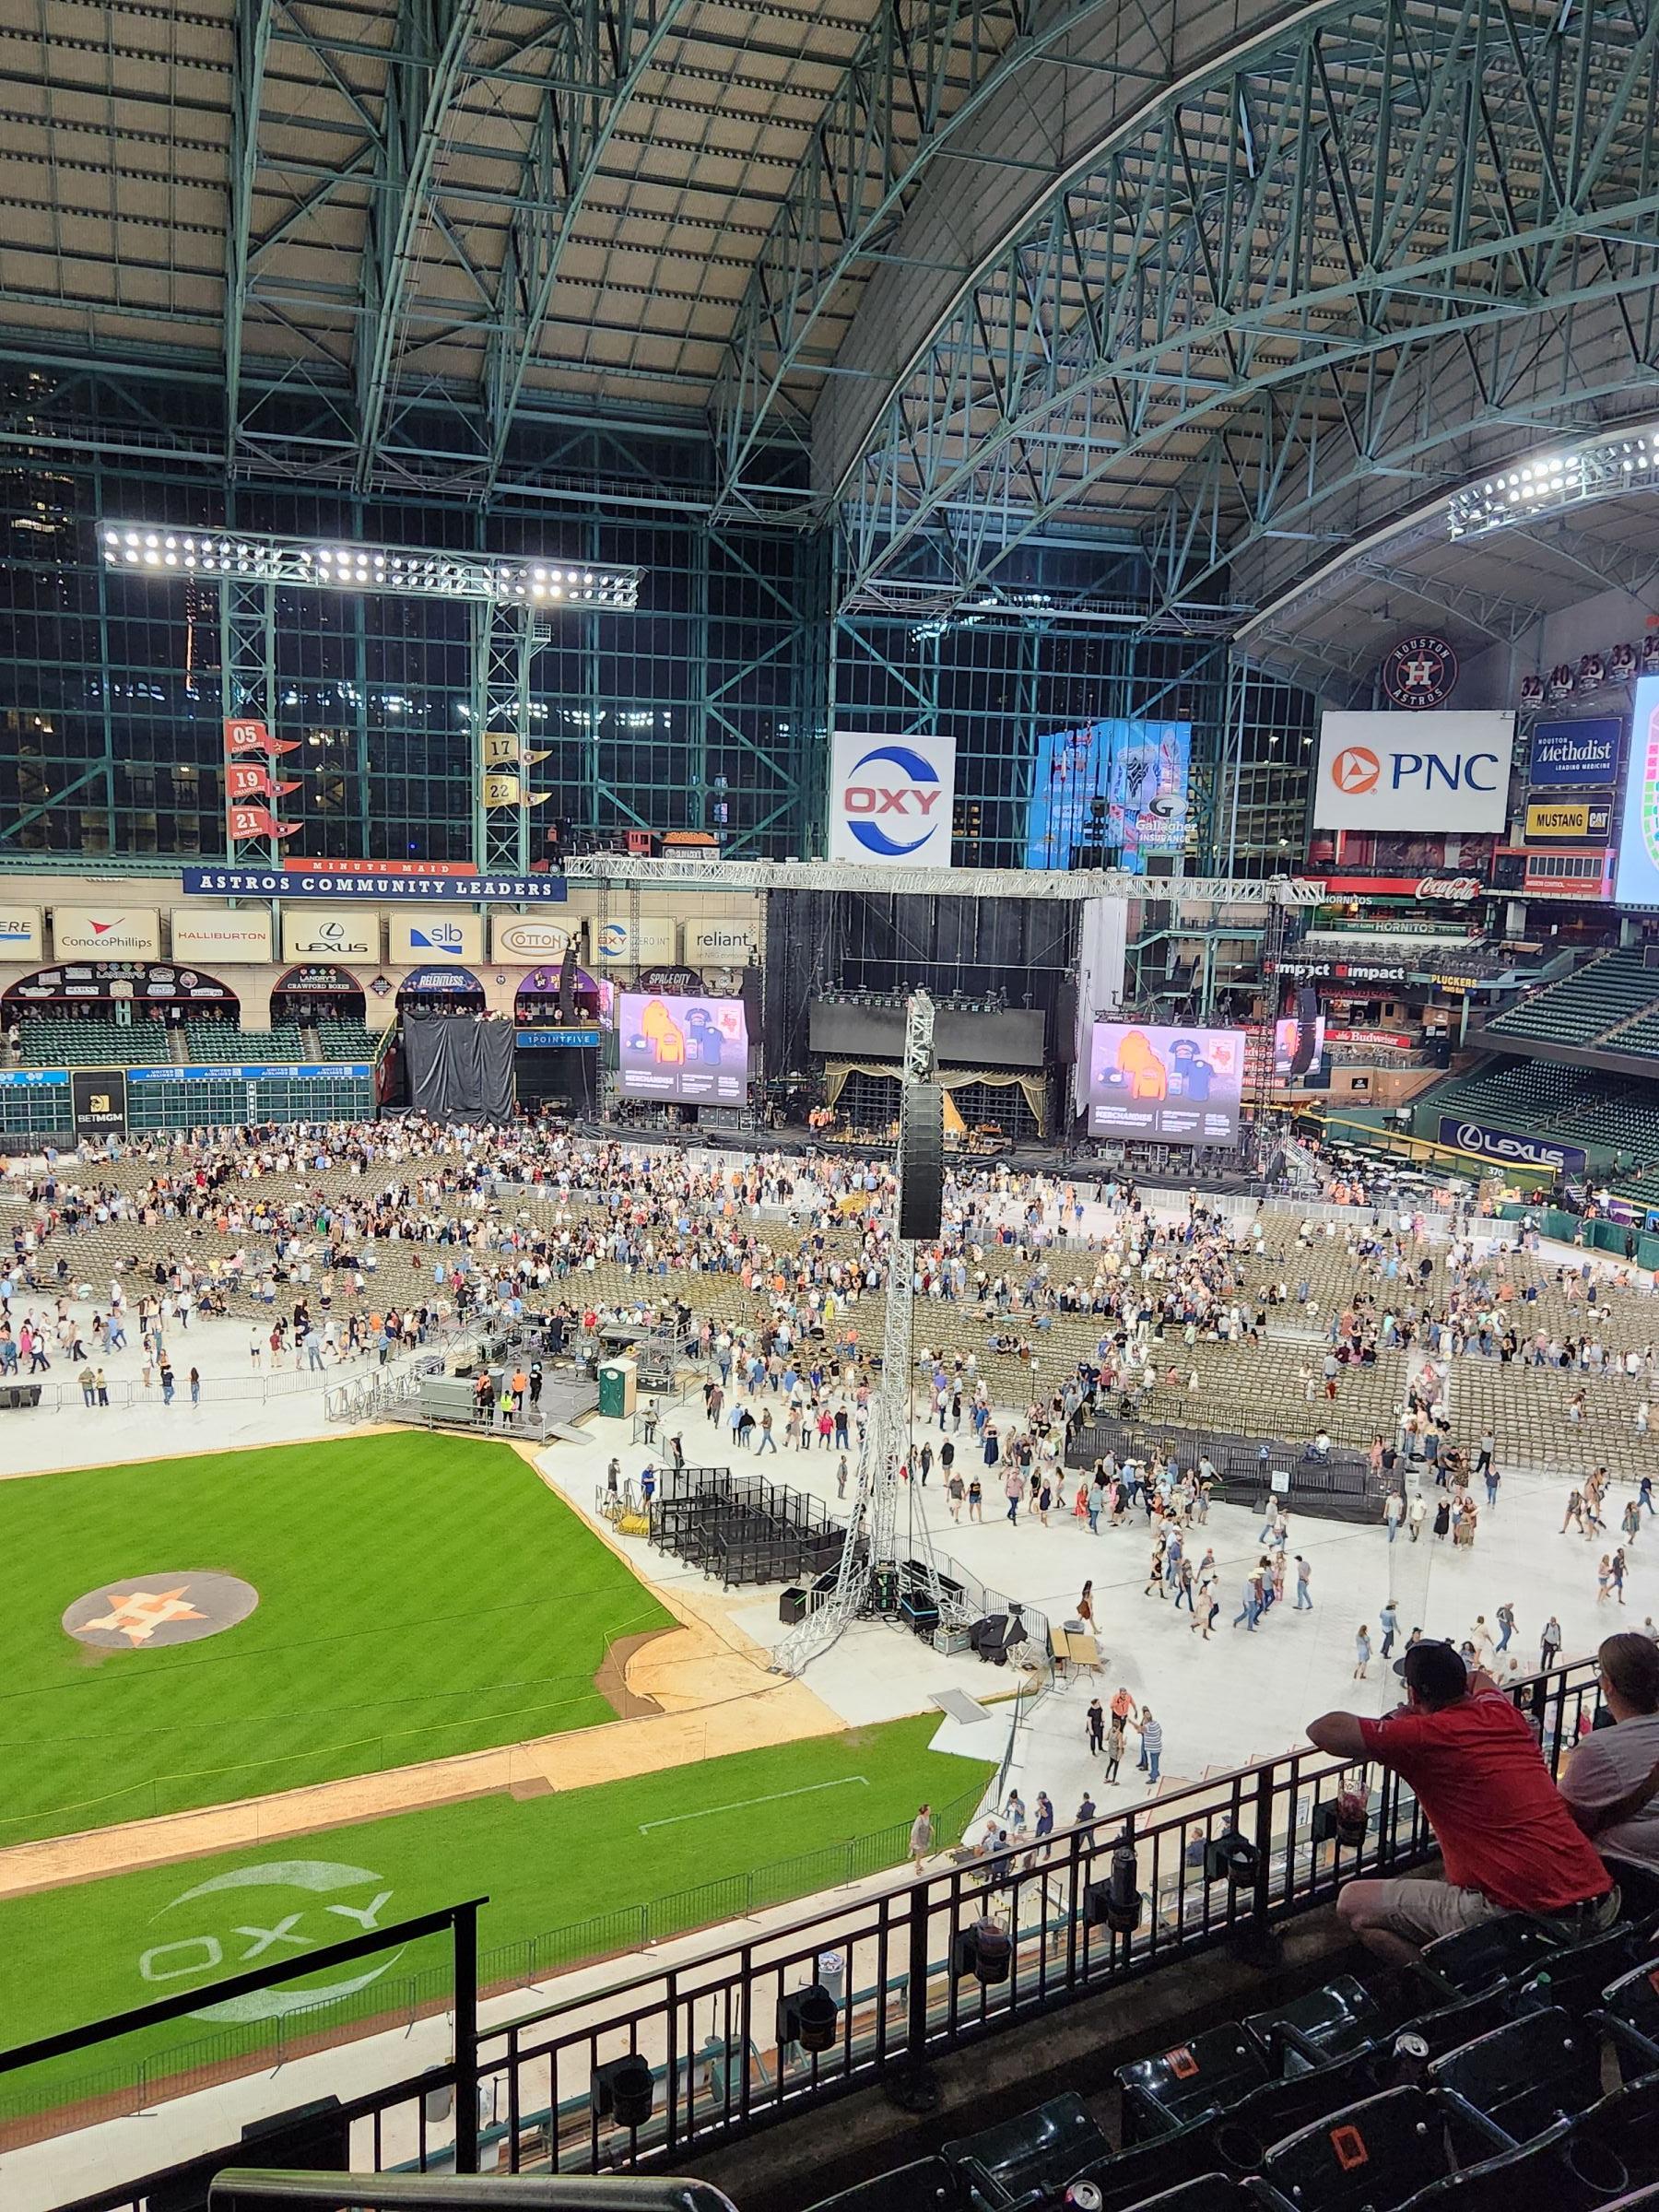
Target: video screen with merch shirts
column 693, row 1050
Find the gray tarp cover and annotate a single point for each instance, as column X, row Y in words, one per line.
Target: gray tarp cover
column 460, row 1070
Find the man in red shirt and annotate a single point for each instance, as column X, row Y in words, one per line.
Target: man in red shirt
column 1508, row 1841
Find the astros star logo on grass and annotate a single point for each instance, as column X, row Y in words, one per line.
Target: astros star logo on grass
column 140, row 1613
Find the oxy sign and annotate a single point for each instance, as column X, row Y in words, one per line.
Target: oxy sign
column 891, row 798
column 1431, row 774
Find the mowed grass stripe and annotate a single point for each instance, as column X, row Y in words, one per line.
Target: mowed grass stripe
column 420, row 1596
column 73, row 1955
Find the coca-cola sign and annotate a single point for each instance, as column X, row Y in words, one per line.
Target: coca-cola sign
column 1454, row 890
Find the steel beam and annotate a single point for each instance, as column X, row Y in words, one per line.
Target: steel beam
column 251, row 46
column 608, row 47
column 1257, row 262
column 424, row 74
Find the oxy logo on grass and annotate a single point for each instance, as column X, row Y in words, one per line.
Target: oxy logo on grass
column 268, row 1916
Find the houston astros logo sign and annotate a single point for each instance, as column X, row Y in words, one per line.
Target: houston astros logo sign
column 150, row 1610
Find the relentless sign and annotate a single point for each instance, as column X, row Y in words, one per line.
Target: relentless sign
column 330, row 879
column 890, row 798
column 1571, row 822
column 1585, row 751
column 1509, row 1149
column 1440, row 773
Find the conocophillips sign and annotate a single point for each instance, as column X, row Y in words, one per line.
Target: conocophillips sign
column 1508, row 1148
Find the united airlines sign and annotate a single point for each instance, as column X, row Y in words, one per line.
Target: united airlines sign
column 1509, row 1149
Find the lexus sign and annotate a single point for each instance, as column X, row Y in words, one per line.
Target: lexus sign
column 1510, row 1149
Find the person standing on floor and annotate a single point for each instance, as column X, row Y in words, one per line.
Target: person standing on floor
column 1305, row 1575
column 1096, row 1719
column 922, row 1835
column 1151, row 1744
column 1550, row 1642
column 1415, row 1514
column 1362, row 1651
column 1114, row 1747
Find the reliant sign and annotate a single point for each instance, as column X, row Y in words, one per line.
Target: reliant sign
column 891, row 798
column 720, row 944
column 1509, row 1149
column 1440, row 773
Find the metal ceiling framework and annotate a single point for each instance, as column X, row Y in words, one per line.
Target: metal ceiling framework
column 1239, row 286
column 1232, row 284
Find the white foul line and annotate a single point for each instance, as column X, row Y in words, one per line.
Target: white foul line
column 845, row 1781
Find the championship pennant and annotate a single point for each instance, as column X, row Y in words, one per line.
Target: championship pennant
column 245, row 736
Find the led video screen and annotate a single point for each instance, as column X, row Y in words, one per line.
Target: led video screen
column 694, row 1050
column 1174, row 1086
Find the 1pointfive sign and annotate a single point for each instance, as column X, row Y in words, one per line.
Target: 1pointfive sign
column 891, row 798
column 268, row 1916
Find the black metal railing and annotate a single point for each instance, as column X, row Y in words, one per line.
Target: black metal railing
column 716, row 2039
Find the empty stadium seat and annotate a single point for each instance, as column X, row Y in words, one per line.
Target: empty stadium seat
column 1215, row 2069
column 1527, row 2076
column 1378, row 2152
column 1329, row 2022
column 1482, row 1957
column 1023, row 2161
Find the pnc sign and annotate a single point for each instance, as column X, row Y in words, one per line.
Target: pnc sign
column 891, row 798
column 1431, row 773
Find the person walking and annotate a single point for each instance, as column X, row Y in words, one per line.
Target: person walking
column 1305, row 1575
column 1415, row 1514
column 1388, row 1620
column 922, row 1835
column 1096, row 1720
column 195, row 1387
column 1362, row 1651
column 1550, row 1644
column 1506, row 1623
column 1394, row 1512
column 1114, row 1747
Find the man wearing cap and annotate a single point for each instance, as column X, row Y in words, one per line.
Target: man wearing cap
column 1508, row 1841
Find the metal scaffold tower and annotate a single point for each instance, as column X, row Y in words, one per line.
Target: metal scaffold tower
column 874, row 1564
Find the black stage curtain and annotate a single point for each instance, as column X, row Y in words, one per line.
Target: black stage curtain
column 460, row 1070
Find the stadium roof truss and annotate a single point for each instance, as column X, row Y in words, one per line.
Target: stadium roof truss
column 1235, row 284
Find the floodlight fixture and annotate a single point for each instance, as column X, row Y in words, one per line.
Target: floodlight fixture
column 1547, row 483
column 152, row 551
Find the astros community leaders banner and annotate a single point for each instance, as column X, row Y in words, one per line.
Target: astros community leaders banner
column 1427, row 772
column 329, row 880
column 891, row 798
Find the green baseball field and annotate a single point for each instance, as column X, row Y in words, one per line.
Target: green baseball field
column 417, row 1596
column 580, row 1874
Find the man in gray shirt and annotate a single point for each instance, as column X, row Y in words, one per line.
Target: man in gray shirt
column 1611, row 1780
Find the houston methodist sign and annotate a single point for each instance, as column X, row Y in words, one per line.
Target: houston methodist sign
column 890, row 798
column 1427, row 772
